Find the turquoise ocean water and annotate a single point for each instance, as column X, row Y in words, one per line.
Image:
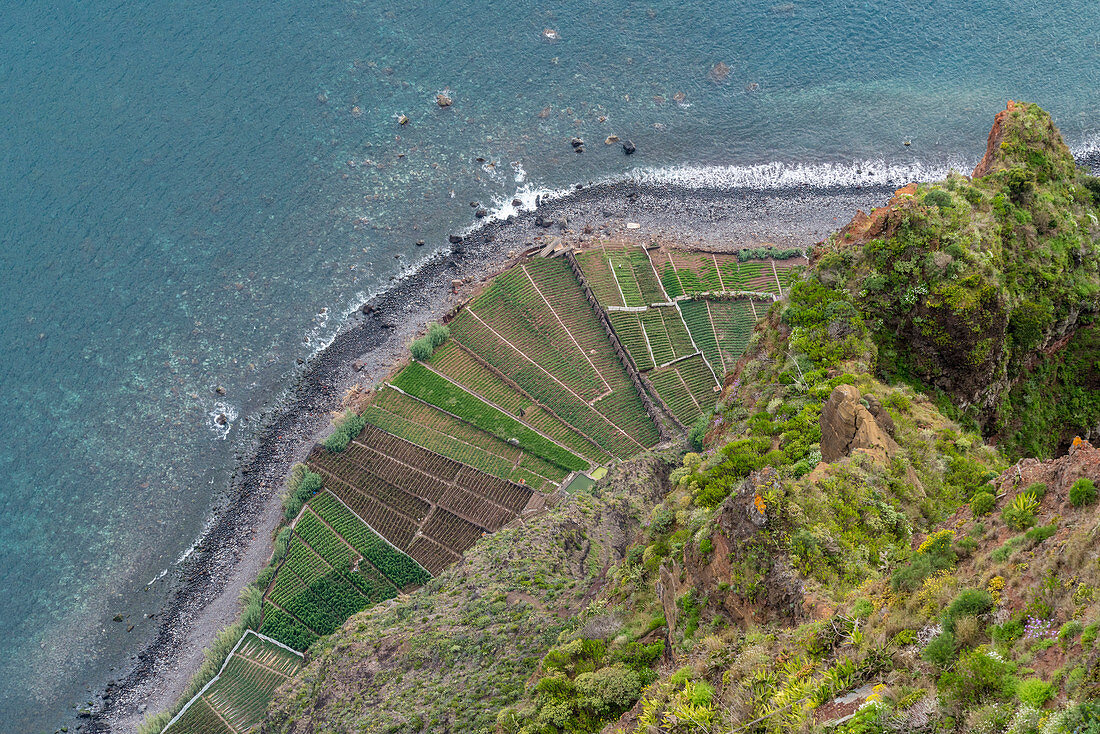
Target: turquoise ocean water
column 195, row 193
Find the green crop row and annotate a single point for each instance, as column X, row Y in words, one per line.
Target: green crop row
column 278, row 625
column 394, row 565
column 424, row 384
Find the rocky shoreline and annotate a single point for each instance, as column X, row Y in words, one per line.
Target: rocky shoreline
column 373, row 342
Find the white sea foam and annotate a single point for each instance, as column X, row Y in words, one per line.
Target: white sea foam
column 221, row 408
column 1090, row 146
column 207, row 525
column 775, row 176
column 521, row 174
column 778, row 176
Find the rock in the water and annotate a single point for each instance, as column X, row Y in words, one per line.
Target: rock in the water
column 481, row 213
column 517, row 202
column 420, row 243
column 551, row 35
column 366, row 308
column 576, row 142
column 402, row 119
column 629, row 147
column 454, row 239
column 443, row 100
column 847, row 426
column 719, row 72
column 611, row 140
column 219, row 390
column 221, row 420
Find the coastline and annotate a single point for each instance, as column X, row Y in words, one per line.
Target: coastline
column 205, row 594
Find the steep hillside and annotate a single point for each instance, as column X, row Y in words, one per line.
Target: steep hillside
column 967, row 284
column 843, row 550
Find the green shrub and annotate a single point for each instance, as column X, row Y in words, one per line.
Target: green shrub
column 348, row 426
column 421, row 349
column 1020, row 515
column 1068, row 633
column 437, row 334
column 966, row 546
column 1037, row 535
column 969, row 603
column 862, row 608
column 936, row 553
column 1034, row 692
column 698, row 431
column 941, row 650
column 1083, row 492
column 302, row 485
column 1038, row 490
column 938, row 198
column 1088, row 635
column 982, row 503
column 1008, row 632
column 976, row 678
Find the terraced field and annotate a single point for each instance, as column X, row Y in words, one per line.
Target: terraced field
column 416, row 421
column 404, row 491
column 432, row 388
column 621, row 275
column 464, row 368
column 335, row 566
column 527, row 390
column 597, row 271
column 534, row 325
column 697, row 317
column 686, row 387
column 653, row 337
column 237, row 698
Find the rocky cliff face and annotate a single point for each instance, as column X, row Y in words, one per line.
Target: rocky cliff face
column 847, row 426
column 965, row 282
column 736, row 550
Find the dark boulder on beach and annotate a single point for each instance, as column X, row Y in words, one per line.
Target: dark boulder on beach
column 366, row 308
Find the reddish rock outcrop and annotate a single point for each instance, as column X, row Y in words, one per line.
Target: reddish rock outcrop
column 736, row 547
column 847, row 426
column 878, row 223
column 993, row 145
column 1081, row 461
